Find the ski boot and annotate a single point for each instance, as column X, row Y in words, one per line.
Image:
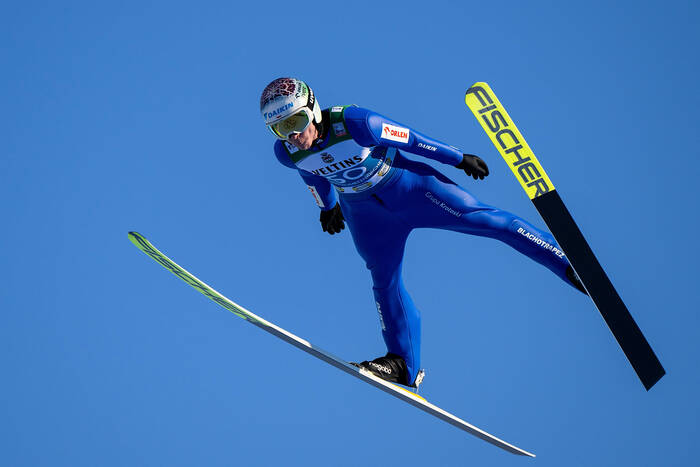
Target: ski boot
column 391, row 368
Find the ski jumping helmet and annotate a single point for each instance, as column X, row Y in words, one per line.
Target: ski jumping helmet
column 288, row 106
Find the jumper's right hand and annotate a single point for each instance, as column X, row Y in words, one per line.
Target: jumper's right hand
column 473, row 166
column 332, row 220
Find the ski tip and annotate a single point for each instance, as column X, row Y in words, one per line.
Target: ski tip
column 137, row 239
column 481, row 92
column 478, row 84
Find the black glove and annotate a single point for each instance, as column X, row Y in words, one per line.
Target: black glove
column 332, row 220
column 473, row 166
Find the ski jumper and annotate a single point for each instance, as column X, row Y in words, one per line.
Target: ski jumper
column 384, row 196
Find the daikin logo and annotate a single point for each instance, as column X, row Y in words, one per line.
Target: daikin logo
column 278, row 111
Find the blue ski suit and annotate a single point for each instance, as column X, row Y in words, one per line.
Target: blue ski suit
column 384, row 196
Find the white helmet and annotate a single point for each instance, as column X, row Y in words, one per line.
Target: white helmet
column 285, row 97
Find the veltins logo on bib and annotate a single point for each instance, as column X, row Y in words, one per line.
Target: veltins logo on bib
column 395, row 133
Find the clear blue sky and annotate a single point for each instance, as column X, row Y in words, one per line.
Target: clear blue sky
column 144, row 116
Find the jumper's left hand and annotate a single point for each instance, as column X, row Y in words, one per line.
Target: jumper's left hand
column 474, row 166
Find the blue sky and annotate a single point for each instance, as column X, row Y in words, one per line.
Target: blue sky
column 144, row 116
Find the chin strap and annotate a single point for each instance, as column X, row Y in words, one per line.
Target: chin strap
column 320, row 126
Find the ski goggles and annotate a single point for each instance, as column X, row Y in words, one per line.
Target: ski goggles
column 295, row 123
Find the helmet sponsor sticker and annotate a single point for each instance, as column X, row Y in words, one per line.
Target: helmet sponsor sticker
column 278, row 111
column 302, row 90
column 395, row 133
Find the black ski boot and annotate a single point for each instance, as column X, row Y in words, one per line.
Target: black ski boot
column 391, row 368
column 573, row 277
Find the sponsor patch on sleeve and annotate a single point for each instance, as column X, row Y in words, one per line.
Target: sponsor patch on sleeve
column 337, row 109
column 316, row 196
column 395, row 133
column 290, row 147
column 339, row 129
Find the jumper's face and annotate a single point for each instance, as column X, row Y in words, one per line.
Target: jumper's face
column 305, row 139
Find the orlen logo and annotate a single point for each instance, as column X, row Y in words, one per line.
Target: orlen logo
column 395, row 133
column 278, row 111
